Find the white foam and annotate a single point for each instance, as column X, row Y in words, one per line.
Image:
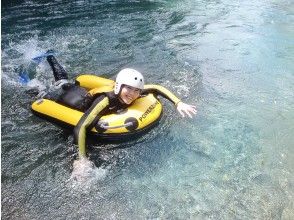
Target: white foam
column 85, row 172
column 35, row 83
column 28, row 49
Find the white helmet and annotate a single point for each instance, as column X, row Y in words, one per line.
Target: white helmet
column 128, row 77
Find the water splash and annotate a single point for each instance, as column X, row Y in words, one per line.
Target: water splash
column 28, row 49
column 17, row 61
column 35, row 83
column 85, row 173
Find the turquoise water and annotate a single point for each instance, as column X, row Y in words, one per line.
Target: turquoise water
column 233, row 59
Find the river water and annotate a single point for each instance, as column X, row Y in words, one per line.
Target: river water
column 233, row 59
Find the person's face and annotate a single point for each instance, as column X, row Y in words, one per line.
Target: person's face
column 129, row 94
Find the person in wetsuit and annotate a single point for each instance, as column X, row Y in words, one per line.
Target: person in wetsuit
column 129, row 85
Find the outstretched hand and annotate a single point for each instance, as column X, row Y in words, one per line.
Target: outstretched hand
column 185, row 109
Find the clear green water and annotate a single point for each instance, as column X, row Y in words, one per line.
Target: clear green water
column 233, row 59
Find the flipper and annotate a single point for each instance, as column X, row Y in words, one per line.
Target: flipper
column 38, row 59
column 24, row 77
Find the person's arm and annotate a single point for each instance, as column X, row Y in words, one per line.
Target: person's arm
column 92, row 114
column 183, row 108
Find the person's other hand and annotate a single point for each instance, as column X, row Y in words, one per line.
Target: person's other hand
column 185, row 109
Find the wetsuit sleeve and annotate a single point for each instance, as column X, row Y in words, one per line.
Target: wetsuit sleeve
column 99, row 106
column 162, row 91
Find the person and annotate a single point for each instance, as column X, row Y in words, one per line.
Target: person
column 129, row 85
